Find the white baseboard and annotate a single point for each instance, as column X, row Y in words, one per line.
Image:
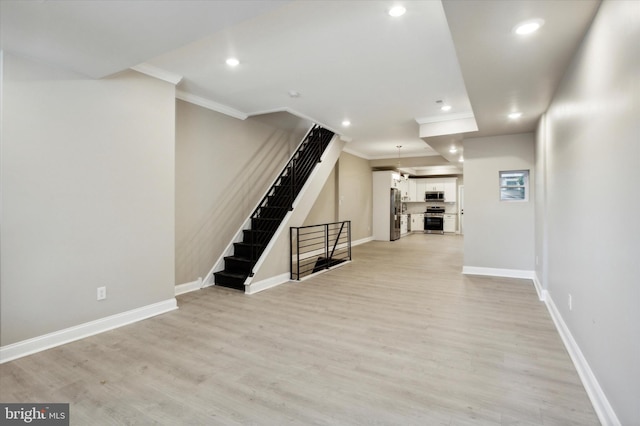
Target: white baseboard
column 187, row 287
column 538, row 286
column 361, row 241
column 57, row 338
column 258, row 286
column 601, row 405
column 495, row 272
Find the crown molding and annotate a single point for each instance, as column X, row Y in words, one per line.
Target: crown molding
column 209, row 104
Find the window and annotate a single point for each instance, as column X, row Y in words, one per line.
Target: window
column 514, row 185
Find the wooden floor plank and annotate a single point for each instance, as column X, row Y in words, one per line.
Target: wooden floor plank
column 397, row 336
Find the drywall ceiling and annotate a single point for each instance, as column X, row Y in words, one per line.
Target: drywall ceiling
column 346, row 59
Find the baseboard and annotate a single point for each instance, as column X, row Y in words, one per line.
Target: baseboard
column 361, row 241
column 538, row 286
column 57, row 338
column 259, row 286
column 187, row 287
column 495, row 272
column 601, row 405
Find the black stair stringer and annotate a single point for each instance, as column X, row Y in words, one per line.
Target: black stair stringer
column 273, row 208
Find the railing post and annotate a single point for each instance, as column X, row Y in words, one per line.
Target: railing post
column 298, row 251
column 349, row 238
column 326, row 245
column 290, row 252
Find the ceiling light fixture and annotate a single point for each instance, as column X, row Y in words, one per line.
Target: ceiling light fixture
column 232, row 62
column 294, row 94
column 445, row 108
column 528, row 27
column 461, row 159
column 346, row 123
column 397, row 11
column 453, row 150
column 515, row 115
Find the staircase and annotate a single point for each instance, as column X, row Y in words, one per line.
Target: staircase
column 273, row 208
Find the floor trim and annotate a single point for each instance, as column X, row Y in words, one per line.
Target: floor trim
column 187, row 287
column 495, row 272
column 258, row 286
column 599, row 400
column 61, row 337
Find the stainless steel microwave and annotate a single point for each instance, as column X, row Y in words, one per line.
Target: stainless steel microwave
column 434, row 196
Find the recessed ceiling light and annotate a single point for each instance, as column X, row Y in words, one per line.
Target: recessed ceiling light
column 233, row 62
column 397, row 11
column 461, row 159
column 515, row 115
column 445, row 108
column 528, row 27
column 453, row 150
column 346, row 123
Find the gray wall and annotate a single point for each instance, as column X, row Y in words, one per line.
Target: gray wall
column 589, row 150
column 87, row 197
column 355, row 201
column 347, row 195
column 497, row 234
column 223, row 168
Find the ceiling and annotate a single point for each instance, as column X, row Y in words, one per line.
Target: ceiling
column 346, row 60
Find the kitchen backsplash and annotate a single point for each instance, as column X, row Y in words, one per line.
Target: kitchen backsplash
column 422, row 207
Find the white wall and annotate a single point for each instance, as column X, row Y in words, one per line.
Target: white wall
column 87, row 197
column 498, row 234
column 589, row 150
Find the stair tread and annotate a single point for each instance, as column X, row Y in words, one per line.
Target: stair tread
column 231, row 274
column 238, row 258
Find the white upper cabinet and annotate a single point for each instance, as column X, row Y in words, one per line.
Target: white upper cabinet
column 415, row 188
column 434, row 186
column 421, row 188
column 412, row 190
column 450, row 191
column 403, row 186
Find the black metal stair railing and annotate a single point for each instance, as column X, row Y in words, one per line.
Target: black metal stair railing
column 273, row 208
column 318, row 247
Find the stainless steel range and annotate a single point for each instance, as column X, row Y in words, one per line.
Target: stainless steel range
column 434, row 220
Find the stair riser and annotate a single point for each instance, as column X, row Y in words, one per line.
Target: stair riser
column 250, row 236
column 224, row 281
column 236, row 266
column 245, row 251
column 261, row 224
column 273, row 212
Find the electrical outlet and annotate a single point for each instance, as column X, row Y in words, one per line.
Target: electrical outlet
column 102, row 293
column 570, row 303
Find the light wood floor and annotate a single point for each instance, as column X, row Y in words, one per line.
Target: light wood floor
column 397, row 337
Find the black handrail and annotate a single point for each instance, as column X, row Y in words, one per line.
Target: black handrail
column 281, row 196
column 312, row 247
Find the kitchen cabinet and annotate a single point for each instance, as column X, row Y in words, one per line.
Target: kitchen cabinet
column 421, row 188
column 412, row 190
column 403, row 186
column 450, row 191
column 449, row 224
column 404, row 224
column 417, row 222
column 434, row 186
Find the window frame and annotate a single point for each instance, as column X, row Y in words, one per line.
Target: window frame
column 503, row 174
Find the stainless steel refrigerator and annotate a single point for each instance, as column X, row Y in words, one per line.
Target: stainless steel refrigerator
column 395, row 211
